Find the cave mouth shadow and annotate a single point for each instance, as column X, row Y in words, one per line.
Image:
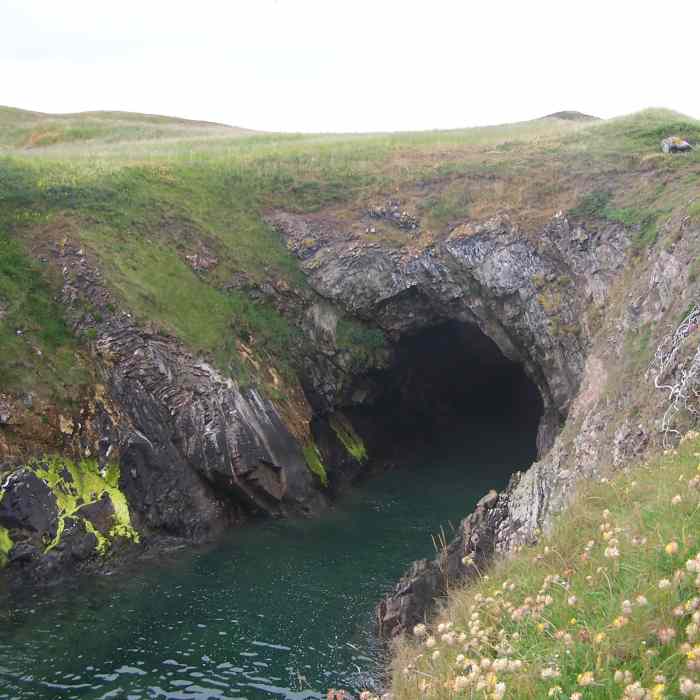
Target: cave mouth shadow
column 447, row 380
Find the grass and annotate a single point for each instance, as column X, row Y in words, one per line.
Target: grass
column 142, row 192
column 606, row 606
column 37, row 349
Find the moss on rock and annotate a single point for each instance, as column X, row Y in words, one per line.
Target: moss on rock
column 314, row 461
column 77, row 484
column 6, row 545
column 351, row 441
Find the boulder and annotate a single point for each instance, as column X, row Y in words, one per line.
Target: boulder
column 100, row 513
column 675, row 144
column 28, row 504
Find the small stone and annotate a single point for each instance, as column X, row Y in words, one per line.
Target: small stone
column 675, row 144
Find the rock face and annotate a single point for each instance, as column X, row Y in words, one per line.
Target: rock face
column 467, row 553
column 603, row 430
column 526, row 295
column 198, row 452
column 195, row 448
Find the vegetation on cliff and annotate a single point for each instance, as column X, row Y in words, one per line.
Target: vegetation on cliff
column 607, row 605
column 172, row 217
column 150, row 197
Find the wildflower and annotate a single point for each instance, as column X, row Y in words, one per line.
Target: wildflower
column 573, row 621
column 430, row 642
column 554, row 691
column 585, row 679
column 657, row 692
column 620, row 621
column 671, row 548
column 436, row 655
column 499, row 691
column 550, row 672
column 575, row 696
column 626, row 607
column 468, row 560
column 641, row 600
column 420, row 631
column 693, row 565
column 572, row 600
column 611, row 552
column 676, row 500
column 664, row 584
column 448, row 638
column 460, row 683
column 600, row 637
column 688, row 687
column 666, row 634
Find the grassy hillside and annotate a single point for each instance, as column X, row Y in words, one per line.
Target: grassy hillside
column 141, row 193
column 607, row 606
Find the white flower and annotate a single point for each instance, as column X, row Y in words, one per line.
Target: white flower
column 420, row 630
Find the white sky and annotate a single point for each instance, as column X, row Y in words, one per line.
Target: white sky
column 350, row 65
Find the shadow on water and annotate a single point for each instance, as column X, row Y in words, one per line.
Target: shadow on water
column 282, row 609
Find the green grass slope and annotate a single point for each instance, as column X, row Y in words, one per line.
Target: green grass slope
column 607, row 606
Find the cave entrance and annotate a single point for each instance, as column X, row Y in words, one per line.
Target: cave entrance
column 445, row 381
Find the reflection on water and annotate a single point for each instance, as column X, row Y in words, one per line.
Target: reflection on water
column 281, row 609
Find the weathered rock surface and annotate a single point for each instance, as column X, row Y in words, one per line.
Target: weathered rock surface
column 601, row 432
column 195, row 449
column 527, row 296
column 28, row 504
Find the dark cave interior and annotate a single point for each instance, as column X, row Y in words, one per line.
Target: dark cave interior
column 445, row 379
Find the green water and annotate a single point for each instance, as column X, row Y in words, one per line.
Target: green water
column 275, row 610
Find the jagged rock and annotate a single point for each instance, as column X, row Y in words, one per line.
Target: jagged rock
column 415, row 594
column 195, row 449
column 484, row 275
column 28, row 504
column 100, row 513
column 675, row 144
column 393, row 214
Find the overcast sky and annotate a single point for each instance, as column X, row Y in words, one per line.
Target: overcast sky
column 350, row 65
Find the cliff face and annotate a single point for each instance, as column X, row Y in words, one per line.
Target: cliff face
column 615, row 415
column 198, row 452
column 576, row 301
column 528, row 294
